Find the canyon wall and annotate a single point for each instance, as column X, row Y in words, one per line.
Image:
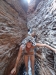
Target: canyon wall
column 42, row 20
column 13, row 30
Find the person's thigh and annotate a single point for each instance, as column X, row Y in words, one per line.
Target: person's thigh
column 32, row 59
column 26, row 61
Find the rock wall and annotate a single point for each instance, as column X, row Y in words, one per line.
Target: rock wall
column 40, row 18
column 13, row 30
column 43, row 22
column 32, row 5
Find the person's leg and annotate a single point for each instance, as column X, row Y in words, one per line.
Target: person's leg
column 32, row 59
column 26, row 62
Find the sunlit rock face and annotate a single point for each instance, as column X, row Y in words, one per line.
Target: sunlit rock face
column 12, row 31
column 43, row 22
column 24, row 4
column 32, row 5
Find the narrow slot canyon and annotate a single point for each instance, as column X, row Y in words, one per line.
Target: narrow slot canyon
column 17, row 17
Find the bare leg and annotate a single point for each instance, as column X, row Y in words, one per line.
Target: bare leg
column 32, row 59
column 26, row 62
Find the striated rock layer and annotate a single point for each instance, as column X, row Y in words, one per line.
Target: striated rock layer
column 12, row 31
column 40, row 18
column 43, row 22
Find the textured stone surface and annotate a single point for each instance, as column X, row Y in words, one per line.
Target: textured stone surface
column 32, row 5
column 12, row 31
column 43, row 22
column 41, row 19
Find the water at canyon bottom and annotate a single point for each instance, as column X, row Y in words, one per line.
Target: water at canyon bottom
column 22, row 70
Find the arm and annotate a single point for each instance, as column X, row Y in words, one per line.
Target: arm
column 13, row 71
column 18, row 57
column 50, row 48
column 45, row 45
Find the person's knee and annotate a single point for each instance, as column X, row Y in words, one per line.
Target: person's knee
column 26, row 68
column 32, row 68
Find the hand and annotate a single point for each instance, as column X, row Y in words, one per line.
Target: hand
column 55, row 51
column 13, row 71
